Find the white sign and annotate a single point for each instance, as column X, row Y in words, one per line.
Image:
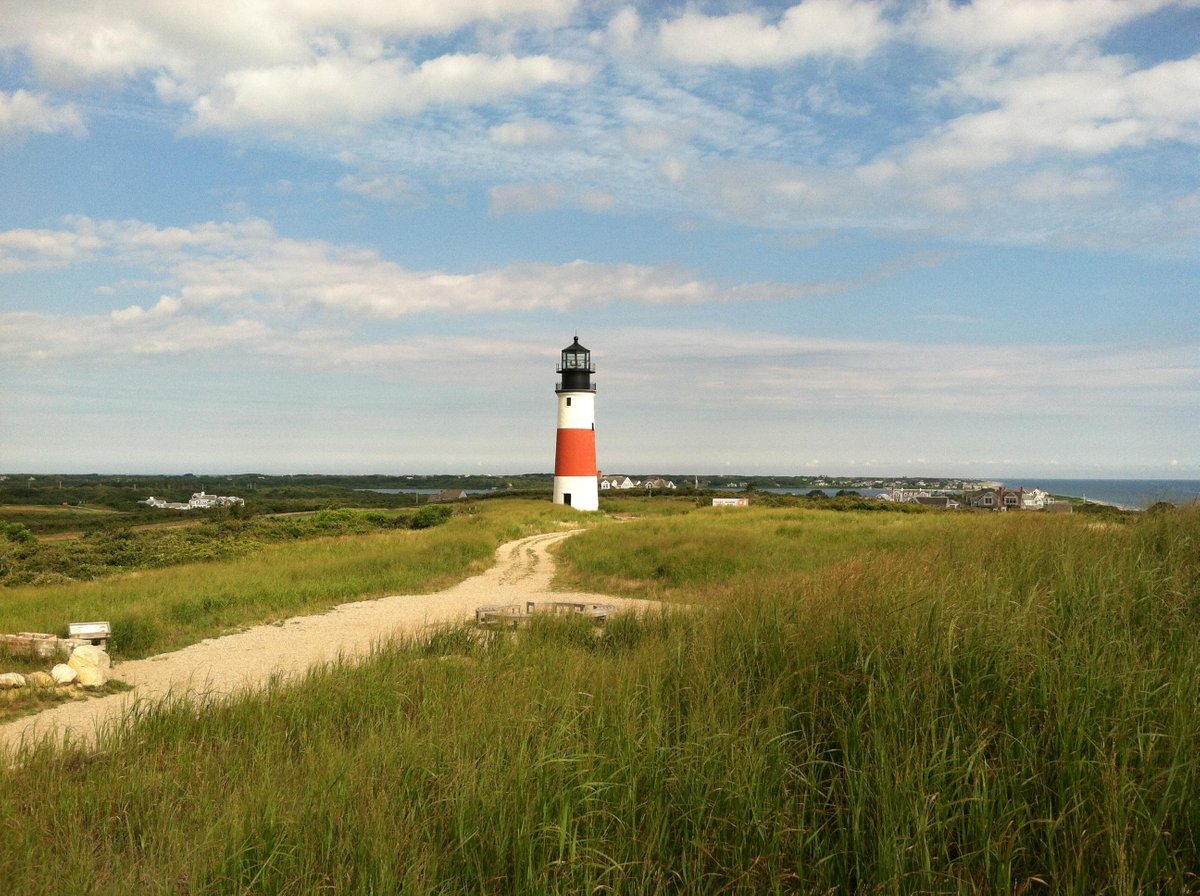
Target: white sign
column 731, row 502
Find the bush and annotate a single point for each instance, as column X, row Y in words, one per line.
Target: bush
column 15, row 532
column 431, row 515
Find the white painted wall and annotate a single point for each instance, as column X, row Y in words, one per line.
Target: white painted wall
column 584, row 491
column 580, row 413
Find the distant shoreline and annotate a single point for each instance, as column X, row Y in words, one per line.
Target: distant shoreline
column 1122, row 494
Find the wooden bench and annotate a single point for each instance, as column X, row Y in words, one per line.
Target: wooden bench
column 95, row 633
column 599, row 612
column 498, row 613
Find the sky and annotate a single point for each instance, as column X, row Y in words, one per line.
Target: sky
column 836, row 237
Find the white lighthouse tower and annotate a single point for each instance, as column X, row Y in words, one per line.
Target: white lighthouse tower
column 575, row 475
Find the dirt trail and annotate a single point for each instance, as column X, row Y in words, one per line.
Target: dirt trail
column 248, row 659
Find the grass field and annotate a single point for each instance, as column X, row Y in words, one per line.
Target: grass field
column 858, row 703
column 158, row 609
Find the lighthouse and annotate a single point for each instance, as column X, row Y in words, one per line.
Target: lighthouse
column 575, row 475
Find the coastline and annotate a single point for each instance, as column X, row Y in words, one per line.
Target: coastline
column 1122, row 494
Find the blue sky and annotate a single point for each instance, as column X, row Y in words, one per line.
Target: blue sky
column 838, row 237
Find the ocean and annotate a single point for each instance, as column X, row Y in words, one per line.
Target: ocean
column 1129, row 494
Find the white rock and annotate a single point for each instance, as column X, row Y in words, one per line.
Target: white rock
column 11, row 680
column 63, row 674
column 39, row 680
column 92, row 664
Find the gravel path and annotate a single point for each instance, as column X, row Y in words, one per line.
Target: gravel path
column 248, row 659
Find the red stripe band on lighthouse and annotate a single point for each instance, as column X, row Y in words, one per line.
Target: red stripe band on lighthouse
column 575, row 453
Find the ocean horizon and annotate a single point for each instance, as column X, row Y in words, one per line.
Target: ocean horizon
column 1128, row 494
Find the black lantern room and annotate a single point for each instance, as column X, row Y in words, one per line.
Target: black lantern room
column 576, row 369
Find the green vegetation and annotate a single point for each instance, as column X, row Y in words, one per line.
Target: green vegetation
column 67, row 503
column 215, row 535
column 857, row 702
column 229, row 573
column 33, row 699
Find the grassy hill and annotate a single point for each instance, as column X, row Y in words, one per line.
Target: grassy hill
column 849, row 702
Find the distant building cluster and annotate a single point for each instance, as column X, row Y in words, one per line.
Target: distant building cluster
column 198, row 501
column 624, row 482
column 920, row 496
column 991, row 498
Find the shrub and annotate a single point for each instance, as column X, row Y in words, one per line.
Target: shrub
column 431, row 515
column 16, row 532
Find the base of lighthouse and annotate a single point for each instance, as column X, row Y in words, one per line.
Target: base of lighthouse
column 580, row 492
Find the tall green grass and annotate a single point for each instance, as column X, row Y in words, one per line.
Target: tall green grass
column 956, row 705
column 161, row 609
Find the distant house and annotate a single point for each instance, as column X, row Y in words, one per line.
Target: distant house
column 658, row 482
column 941, row 501
column 919, row 496
column 1035, row 499
column 160, row 504
column 611, row 482
column 998, row 498
column 198, row 501
column 202, row 501
column 448, row 494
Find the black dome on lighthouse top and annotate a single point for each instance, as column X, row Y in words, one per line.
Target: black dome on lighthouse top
column 575, row 348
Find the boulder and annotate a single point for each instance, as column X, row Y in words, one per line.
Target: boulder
column 63, row 674
column 39, row 680
column 92, row 664
column 10, row 680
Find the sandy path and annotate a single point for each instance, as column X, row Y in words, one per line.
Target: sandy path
column 248, row 659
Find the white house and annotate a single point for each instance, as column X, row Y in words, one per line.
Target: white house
column 202, row 501
column 199, row 501
column 611, row 482
column 658, row 482
column 1035, row 499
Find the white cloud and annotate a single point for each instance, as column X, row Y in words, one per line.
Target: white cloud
column 726, row 371
column 77, row 42
column 597, row 201
column 380, row 187
column 131, row 332
column 427, row 16
column 1087, row 111
column 344, row 90
column 623, row 29
column 849, row 28
column 544, row 196
column 245, row 268
column 22, row 113
column 71, row 47
column 985, row 24
column 1050, row 184
column 25, row 249
column 736, row 369
column 528, row 132
column 649, row 139
column 165, row 307
column 507, row 199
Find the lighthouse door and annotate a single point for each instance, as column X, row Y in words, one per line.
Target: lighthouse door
column 567, row 498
